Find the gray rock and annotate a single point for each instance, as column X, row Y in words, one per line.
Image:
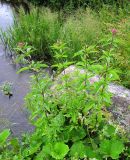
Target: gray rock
column 120, row 107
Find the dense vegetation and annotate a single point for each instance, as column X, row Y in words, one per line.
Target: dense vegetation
column 61, row 4
column 69, row 112
column 42, row 28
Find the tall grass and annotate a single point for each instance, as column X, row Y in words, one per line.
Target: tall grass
column 80, row 29
column 42, row 28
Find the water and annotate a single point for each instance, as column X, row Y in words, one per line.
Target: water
column 6, row 16
column 12, row 112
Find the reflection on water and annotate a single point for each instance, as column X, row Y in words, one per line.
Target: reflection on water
column 17, row 4
column 12, row 112
column 6, row 16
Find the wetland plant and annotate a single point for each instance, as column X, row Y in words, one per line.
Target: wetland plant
column 6, row 88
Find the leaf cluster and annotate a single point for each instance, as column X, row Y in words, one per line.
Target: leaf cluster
column 70, row 116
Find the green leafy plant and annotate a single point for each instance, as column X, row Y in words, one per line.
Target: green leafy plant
column 69, row 115
column 23, row 53
column 69, row 111
column 72, row 4
column 6, row 88
column 3, row 137
column 60, row 150
column 39, row 29
column 112, row 148
column 42, row 28
column 70, row 119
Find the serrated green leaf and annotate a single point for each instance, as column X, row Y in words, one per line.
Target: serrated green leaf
column 117, row 148
column 96, row 68
column 46, row 150
column 77, row 134
column 3, row 136
column 111, row 148
column 59, row 150
column 109, row 130
column 78, row 150
column 105, row 147
column 78, row 54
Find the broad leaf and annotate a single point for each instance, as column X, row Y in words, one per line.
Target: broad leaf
column 109, row 130
column 59, row 150
column 78, row 150
column 117, row 148
column 112, row 148
column 77, row 134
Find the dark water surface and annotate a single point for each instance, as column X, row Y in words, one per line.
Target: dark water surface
column 12, row 112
